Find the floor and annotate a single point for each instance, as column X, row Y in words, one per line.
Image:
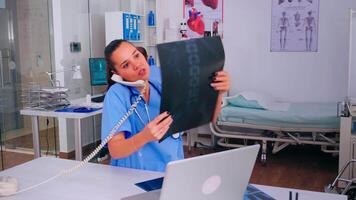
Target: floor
column 47, row 142
column 11, row 159
column 301, row 167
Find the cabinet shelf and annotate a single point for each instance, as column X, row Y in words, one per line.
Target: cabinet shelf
column 117, row 24
column 136, row 41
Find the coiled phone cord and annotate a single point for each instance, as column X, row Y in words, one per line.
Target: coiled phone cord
column 87, row 159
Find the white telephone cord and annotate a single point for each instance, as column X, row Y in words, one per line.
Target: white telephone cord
column 9, row 185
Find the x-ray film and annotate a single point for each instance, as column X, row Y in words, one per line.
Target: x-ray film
column 188, row 68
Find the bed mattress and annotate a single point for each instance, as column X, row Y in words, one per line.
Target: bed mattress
column 299, row 115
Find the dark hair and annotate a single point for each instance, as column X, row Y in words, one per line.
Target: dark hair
column 143, row 51
column 109, row 49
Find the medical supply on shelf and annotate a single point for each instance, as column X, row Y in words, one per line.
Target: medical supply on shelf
column 126, row 25
column 131, row 24
column 151, row 18
column 151, row 60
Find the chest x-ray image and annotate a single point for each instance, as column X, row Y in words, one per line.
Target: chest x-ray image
column 188, row 67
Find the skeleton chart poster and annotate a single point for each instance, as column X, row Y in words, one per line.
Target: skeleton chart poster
column 203, row 17
column 294, row 25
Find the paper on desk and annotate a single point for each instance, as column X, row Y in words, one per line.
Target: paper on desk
column 89, row 105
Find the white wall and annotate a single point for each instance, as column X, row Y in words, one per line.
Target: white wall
column 169, row 15
column 97, row 14
column 71, row 22
column 296, row 77
column 352, row 67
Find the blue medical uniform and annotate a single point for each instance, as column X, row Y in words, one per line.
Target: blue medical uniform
column 152, row 156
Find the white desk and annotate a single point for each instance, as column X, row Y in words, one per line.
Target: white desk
column 77, row 117
column 283, row 194
column 104, row 182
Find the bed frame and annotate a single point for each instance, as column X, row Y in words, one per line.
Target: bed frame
column 326, row 138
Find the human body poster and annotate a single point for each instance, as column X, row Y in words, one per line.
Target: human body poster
column 203, row 17
column 295, row 25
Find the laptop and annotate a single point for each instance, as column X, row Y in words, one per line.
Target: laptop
column 222, row 175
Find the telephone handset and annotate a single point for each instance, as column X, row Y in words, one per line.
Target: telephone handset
column 118, row 79
column 9, row 185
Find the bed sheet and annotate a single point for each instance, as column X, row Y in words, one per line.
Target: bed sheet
column 299, row 115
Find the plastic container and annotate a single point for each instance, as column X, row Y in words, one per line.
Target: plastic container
column 151, row 18
column 151, row 60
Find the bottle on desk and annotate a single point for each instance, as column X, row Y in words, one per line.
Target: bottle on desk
column 88, row 99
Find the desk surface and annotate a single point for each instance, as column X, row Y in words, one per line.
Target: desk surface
column 103, row 182
column 94, row 181
column 51, row 113
column 69, row 115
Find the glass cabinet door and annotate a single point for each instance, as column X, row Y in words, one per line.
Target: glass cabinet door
column 25, row 57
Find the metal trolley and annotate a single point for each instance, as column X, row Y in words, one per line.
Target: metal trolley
column 341, row 185
column 349, row 189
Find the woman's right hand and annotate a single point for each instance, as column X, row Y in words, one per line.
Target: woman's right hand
column 156, row 129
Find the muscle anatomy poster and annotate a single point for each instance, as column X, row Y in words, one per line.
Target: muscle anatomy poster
column 294, row 25
column 203, row 17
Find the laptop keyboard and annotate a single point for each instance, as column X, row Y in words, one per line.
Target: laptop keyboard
column 152, row 195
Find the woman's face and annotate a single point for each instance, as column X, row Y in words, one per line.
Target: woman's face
column 129, row 63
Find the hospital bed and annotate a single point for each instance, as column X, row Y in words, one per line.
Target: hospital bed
column 301, row 123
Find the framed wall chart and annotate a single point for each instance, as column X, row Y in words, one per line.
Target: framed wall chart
column 294, row 25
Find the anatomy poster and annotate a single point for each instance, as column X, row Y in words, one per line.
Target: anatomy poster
column 202, row 18
column 295, row 25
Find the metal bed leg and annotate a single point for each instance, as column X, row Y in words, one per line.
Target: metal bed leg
column 278, row 146
column 314, row 134
column 294, row 138
column 264, row 152
column 327, row 139
column 275, row 147
column 189, row 141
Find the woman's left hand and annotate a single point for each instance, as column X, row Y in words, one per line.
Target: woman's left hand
column 221, row 81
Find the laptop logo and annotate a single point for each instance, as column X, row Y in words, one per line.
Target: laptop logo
column 211, row 184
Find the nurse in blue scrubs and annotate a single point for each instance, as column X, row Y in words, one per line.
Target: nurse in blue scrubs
column 135, row 145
